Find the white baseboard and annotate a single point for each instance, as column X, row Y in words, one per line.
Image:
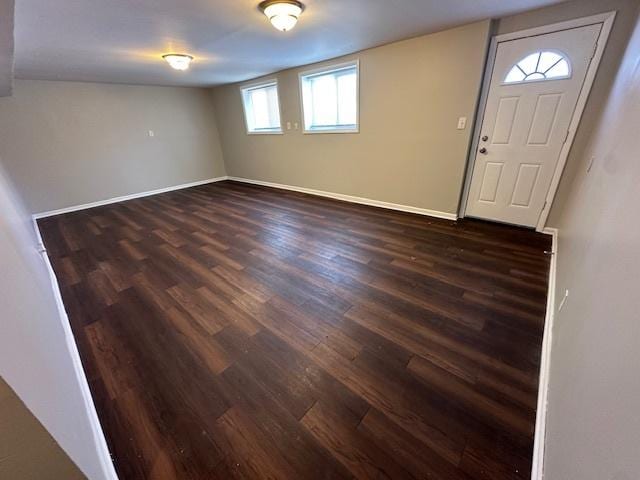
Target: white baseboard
column 320, row 193
column 108, row 201
column 100, row 443
column 351, row 199
column 537, row 470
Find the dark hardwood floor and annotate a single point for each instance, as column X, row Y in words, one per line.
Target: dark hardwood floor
column 232, row 331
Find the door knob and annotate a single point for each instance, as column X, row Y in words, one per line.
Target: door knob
column 485, row 138
column 483, row 151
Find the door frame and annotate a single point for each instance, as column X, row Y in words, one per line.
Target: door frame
column 606, row 19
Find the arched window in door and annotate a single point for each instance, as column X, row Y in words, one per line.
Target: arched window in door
column 539, row 66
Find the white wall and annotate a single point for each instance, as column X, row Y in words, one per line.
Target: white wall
column 37, row 355
column 68, row 143
column 593, row 428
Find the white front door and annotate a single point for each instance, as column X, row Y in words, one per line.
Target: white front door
column 535, row 85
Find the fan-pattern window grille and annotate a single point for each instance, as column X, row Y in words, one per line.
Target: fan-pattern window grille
column 539, row 66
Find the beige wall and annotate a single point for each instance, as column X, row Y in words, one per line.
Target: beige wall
column 67, row 143
column 408, row 150
column 593, row 429
column 618, row 40
column 27, row 451
column 6, row 46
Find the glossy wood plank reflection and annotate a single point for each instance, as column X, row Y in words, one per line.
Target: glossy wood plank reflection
column 235, row 331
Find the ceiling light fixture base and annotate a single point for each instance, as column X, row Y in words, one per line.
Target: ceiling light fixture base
column 283, row 14
column 178, row 61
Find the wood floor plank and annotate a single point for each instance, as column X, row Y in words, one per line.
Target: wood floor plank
column 250, row 452
column 388, row 399
column 441, row 380
column 416, row 458
column 235, row 331
column 309, row 459
column 339, row 435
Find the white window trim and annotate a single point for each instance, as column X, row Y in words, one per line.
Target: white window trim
column 253, row 85
column 328, row 69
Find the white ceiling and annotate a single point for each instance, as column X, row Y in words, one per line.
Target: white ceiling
column 122, row 40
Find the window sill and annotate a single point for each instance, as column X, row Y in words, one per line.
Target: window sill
column 267, row 132
column 332, row 130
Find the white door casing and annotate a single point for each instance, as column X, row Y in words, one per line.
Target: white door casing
column 526, row 124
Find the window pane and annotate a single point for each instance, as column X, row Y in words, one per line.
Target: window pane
column 325, row 104
column 561, row 69
column 261, row 108
column 515, row 75
column 548, row 60
column 535, row 76
column 330, row 99
column 529, row 64
column 347, row 100
column 274, row 108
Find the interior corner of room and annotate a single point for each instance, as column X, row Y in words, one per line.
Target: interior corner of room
column 401, row 248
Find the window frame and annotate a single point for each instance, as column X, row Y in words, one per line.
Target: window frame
column 325, row 70
column 254, row 86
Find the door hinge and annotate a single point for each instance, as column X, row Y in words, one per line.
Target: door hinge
column 566, row 136
column 595, row 49
column 544, row 206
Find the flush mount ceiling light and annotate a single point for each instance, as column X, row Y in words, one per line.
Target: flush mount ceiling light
column 283, row 14
column 178, row 61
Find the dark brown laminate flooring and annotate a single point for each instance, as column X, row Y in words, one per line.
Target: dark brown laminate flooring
column 232, row 331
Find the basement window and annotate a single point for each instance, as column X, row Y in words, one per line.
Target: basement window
column 330, row 99
column 262, row 108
